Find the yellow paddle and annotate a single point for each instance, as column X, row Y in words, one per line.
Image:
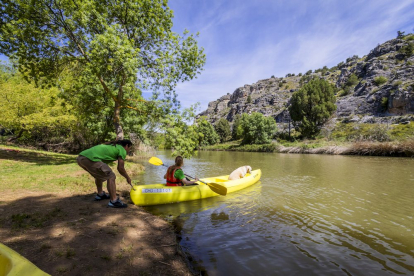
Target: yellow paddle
column 215, row 187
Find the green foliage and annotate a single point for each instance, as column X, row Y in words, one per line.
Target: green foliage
column 249, row 99
column 308, row 72
column 402, row 131
column 400, row 34
column 271, row 147
column 37, row 113
column 222, row 128
column 207, row 134
column 322, row 70
column 360, row 132
column 112, row 50
column 348, row 85
column 257, row 129
column 380, row 80
column 407, row 50
column 237, row 131
column 312, row 105
column 352, row 80
column 180, row 136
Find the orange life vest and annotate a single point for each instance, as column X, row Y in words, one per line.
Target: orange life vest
column 171, row 180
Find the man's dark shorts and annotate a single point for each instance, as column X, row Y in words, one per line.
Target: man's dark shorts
column 99, row 170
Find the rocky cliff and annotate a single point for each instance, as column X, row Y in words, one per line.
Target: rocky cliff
column 378, row 87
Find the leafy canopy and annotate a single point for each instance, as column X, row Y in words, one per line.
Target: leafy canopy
column 25, row 107
column 223, row 130
column 113, row 49
column 312, row 105
column 207, row 134
column 257, row 129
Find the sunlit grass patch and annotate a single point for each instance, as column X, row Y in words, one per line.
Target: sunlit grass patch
column 47, row 171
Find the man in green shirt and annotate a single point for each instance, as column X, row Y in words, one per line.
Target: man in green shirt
column 95, row 161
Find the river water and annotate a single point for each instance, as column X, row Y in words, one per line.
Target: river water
column 309, row 215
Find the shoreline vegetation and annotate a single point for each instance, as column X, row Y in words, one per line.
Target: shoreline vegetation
column 364, row 148
column 48, row 215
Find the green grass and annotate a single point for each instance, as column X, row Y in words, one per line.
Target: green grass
column 46, row 171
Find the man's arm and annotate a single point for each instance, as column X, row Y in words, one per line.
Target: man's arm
column 122, row 171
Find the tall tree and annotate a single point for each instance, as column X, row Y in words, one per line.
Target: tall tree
column 223, row 130
column 114, row 48
column 207, row 134
column 237, row 131
column 312, row 105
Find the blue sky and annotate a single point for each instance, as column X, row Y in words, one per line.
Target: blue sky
column 249, row 40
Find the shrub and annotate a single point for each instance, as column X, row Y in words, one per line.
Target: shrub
column 380, row 80
column 397, row 83
column 352, row 80
column 407, row 50
column 257, row 129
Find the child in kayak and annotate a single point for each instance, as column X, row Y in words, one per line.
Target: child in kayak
column 175, row 175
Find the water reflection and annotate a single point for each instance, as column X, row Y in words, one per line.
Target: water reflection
column 311, row 215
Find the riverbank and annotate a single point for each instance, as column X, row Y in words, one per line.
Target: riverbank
column 393, row 149
column 47, row 214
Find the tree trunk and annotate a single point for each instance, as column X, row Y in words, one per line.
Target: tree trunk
column 117, row 116
column 117, row 122
column 16, row 137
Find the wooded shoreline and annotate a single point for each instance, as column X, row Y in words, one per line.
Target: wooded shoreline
column 391, row 149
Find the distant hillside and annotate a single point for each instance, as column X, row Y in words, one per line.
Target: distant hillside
column 378, row 87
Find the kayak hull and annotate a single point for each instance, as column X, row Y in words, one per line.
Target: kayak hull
column 14, row 264
column 155, row 194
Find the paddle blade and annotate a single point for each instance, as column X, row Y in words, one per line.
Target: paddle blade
column 155, row 161
column 217, row 188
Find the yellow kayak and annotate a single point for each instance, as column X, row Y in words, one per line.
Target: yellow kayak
column 13, row 264
column 155, row 194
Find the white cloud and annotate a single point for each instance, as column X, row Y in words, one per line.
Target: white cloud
column 252, row 40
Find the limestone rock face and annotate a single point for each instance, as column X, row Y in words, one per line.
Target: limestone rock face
column 385, row 89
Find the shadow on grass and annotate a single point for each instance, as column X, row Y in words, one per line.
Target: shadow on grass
column 37, row 157
column 77, row 236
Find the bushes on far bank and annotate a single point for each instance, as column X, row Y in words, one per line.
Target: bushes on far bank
column 353, row 132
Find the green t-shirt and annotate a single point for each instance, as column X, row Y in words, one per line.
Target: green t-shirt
column 179, row 174
column 104, row 153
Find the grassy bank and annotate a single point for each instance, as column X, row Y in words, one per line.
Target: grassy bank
column 343, row 138
column 47, row 171
column 48, row 215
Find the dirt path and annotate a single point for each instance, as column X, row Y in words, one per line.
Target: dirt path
column 70, row 234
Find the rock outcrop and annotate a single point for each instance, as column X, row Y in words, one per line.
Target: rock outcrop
column 383, row 92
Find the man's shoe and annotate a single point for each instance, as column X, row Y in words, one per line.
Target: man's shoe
column 117, row 204
column 103, row 196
